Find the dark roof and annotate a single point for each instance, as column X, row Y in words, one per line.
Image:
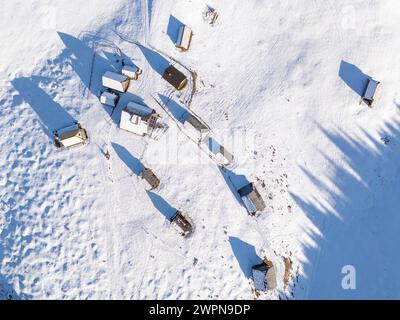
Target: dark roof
column 197, row 124
column 151, row 178
column 176, row 78
column 246, row 190
column 182, row 222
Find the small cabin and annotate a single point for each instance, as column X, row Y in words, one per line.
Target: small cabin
column 71, row 136
column 139, row 119
column 184, row 38
column 132, row 72
column 199, row 127
column 251, row 199
column 115, row 81
column 219, row 151
column 182, row 223
column 109, row 99
column 149, row 176
column 176, row 78
column 264, row 277
column 372, row 92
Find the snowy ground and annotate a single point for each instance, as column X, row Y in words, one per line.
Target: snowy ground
column 279, row 82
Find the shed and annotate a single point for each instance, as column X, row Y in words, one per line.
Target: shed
column 184, row 38
column 115, row 81
column 149, row 176
column 131, row 71
column 372, row 92
column 219, row 151
column 176, row 78
column 264, row 277
column 181, row 222
column 138, row 119
column 199, row 127
column 251, row 199
column 70, row 136
column 109, row 98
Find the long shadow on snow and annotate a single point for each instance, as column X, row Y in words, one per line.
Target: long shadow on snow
column 234, row 182
column 7, row 292
column 131, row 162
column 173, row 28
column 88, row 63
column 157, row 62
column 358, row 222
column 51, row 114
column 353, row 77
column 245, row 254
column 161, row 205
column 179, row 112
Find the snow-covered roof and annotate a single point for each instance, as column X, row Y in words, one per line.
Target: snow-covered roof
column 68, row 129
column 115, row 76
column 130, row 68
column 139, row 109
column 264, row 277
column 371, row 89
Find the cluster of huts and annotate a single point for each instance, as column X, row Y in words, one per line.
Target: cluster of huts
column 142, row 120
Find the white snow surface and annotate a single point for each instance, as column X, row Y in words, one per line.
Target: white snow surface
column 278, row 81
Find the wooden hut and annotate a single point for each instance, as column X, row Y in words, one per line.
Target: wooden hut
column 139, row 119
column 176, row 78
column 131, row 71
column 372, row 92
column 115, row 81
column 182, row 223
column 251, row 199
column 109, row 99
column 71, row 136
column 264, row 277
column 184, row 38
column 149, row 176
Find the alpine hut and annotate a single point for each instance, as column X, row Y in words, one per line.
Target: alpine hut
column 70, row 136
column 115, row 81
column 251, row 199
column 264, row 277
column 149, row 176
column 139, row 119
column 372, row 92
column 184, row 38
column 109, row 99
column 182, row 223
column 132, row 72
column 176, row 78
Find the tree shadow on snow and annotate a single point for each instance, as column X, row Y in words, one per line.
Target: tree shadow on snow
column 7, row 292
column 89, row 64
column 51, row 114
column 130, row 161
column 173, row 28
column 161, row 205
column 179, row 112
column 353, row 77
column 245, row 254
column 357, row 221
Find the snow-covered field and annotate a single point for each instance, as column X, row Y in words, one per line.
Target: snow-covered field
column 278, row 81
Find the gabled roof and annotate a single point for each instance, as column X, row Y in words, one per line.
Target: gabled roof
column 115, row 76
column 139, row 109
